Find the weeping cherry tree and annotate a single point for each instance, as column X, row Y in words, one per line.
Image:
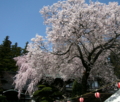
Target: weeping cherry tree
column 80, row 38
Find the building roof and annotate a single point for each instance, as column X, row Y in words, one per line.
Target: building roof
column 114, row 98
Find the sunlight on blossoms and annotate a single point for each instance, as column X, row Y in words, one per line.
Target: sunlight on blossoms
column 80, row 39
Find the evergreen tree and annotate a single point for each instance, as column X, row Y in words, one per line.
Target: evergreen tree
column 4, row 57
column 15, row 51
column 5, row 51
column 24, row 50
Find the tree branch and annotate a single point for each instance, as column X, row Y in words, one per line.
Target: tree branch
column 104, row 46
column 63, row 52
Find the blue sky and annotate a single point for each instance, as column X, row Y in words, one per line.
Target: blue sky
column 21, row 20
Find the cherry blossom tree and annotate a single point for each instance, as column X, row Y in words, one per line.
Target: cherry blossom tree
column 80, row 37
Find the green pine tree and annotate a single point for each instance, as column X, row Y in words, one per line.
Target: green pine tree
column 15, row 51
column 5, row 54
column 25, row 48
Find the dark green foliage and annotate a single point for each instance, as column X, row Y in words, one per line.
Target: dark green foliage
column 115, row 61
column 47, row 93
column 76, row 89
column 7, row 53
column 24, row 50
column 3, row 99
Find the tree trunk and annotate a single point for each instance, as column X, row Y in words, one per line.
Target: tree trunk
column 84, row 82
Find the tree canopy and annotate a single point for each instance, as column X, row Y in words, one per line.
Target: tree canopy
column 80, row 37
column 7, row 52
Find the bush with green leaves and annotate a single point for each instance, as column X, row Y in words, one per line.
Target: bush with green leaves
column 47, row 93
